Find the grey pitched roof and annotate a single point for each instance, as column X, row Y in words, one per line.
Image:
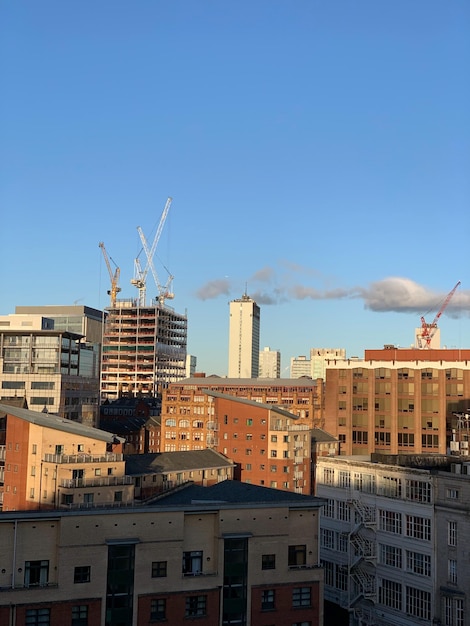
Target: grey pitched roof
column 47, row 420
column 321, row 436
column 270, row 407
column 233, row 491
column 161, row 462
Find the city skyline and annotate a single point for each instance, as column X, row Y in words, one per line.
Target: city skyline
column 317, row 157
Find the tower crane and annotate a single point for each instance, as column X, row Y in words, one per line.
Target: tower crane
column 140, row 276
column 428, row 330
column 114, row 276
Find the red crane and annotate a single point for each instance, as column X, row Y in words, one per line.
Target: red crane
column 428, row 330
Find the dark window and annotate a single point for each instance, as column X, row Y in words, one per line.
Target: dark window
column 196, row 606
column 80, row 615
column 301, row 596
column 81, row 574
column 118, row 496
column 297, row 555
column 267, row 600
column 159, row 569
column 158, row 609
column 192, row 563
column 38, row 617
column 36, row 573
column 268, row 561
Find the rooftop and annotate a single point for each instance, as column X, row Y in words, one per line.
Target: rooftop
column 48, row 420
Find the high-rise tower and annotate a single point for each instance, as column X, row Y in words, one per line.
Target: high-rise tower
column 243, row 349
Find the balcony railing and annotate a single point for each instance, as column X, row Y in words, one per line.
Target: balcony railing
column 110, row 457
column 103, row 481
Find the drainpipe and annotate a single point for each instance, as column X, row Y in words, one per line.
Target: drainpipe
column 14, row 556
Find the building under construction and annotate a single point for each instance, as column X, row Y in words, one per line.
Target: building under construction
column 144, row 346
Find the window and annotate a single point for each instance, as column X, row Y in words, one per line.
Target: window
column 418, row 603
column 329, row 508
column 418, row 563
column 192, row 563
column 267, row 600
column 418, row 490
column 297, row 555
column 343, row 511
column 390, row 594
column 452, row 533
column 158, row 609
column 196, row 606
column 268, row 561
column 35, row 448
column 390, row 486
column 390, row 521
column 80, row 615
column 159, row 569
column 301, row 596
column 118, row 496
column 59, row 449
column 38, row 617
column 391, row 556
column 81, row 574
column 88, row 498
column 418, row 527
column 273, row 454
column 452, row 494
column 36, row 573
column 327, row 538
column 344, row 480
column 452, row 571
column 453, row 611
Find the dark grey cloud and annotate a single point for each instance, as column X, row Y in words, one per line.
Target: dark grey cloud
column 392, row 294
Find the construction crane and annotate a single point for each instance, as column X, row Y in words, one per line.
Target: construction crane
column 428, row 330
column 140, row 276
column 114, row 276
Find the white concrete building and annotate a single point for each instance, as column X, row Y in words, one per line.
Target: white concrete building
column 300, row 366
column 244, row 330
column 269, row 363
column 319, row 357
column 394, row 539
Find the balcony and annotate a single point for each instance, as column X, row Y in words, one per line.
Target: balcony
column 67, row 459
column 99, row 481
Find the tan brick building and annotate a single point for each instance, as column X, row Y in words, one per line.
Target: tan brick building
column 49, row 462
column 396, row 400
column 226, row 554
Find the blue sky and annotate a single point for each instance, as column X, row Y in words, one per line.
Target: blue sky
column 316, row 152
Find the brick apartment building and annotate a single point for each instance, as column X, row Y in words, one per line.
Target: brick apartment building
column 270, row 445
column 302, row 397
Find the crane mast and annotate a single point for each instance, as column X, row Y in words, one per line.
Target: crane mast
column 113, row 276
column 140, row 276
column 428, row 330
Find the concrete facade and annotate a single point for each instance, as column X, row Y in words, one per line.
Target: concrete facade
column 244, row 331
column 144, row 348
column 393, row 539
column 54, row 370
column 269, row 363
